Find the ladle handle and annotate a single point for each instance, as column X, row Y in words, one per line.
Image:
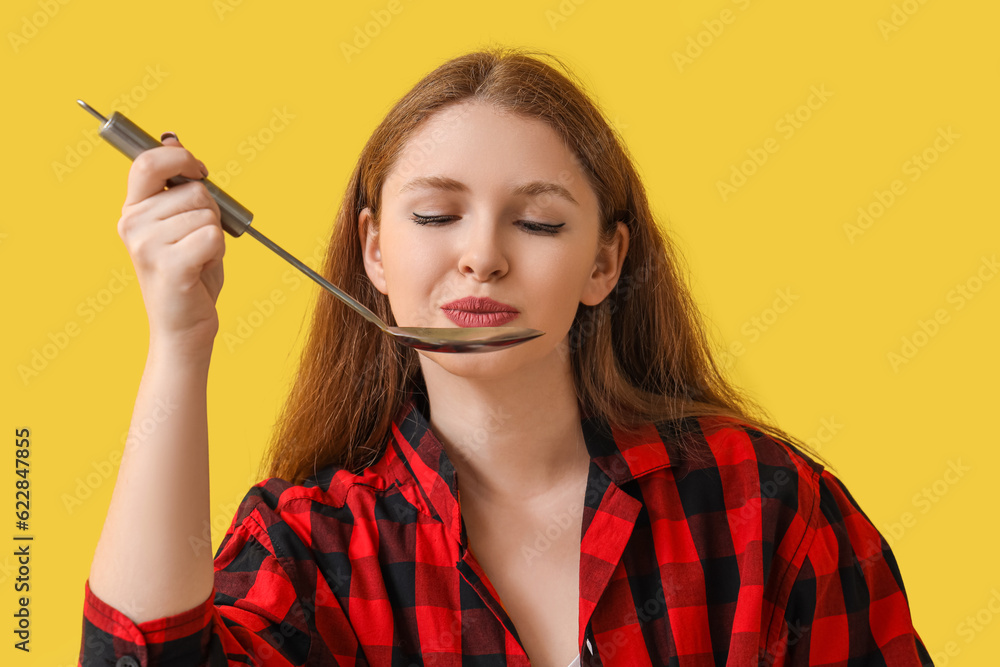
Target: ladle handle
column 131, row 140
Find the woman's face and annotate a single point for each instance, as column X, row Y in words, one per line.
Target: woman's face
column 512, row 219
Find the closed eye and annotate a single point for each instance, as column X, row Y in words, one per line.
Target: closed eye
column 534, row 227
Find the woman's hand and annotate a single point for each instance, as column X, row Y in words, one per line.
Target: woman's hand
column 176, row 242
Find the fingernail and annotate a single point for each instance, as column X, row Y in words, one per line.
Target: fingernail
column 168, row 134
column 204, row 169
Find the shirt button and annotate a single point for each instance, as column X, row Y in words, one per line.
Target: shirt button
column 127, row 661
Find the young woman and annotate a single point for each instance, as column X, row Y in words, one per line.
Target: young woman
column 599, row 495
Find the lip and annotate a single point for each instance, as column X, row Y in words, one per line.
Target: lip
column 476, row 311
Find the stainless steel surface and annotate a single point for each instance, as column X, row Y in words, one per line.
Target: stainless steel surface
column 131, row 140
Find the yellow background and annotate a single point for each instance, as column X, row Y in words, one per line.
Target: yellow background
column 821, row 367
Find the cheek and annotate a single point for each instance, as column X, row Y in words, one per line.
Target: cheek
column 412, row 272
column 559, row 284
column 401, row 259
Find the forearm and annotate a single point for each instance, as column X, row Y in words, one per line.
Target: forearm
column 144, row 563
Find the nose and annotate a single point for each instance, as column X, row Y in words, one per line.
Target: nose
column 482, row 256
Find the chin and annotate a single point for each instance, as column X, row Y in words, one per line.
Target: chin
column 494, row 364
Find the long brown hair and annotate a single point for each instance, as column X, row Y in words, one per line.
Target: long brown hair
column 640, row 355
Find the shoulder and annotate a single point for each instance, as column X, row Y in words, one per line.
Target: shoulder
column 809, row 521
column 766, row 487
column 744, row 458
column 830, row 577
column 276, row 512
column 781, row 469
column 731, row 441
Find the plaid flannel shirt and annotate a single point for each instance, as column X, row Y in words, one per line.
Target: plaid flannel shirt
column 760, row 557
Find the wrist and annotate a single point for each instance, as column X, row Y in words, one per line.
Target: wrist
column 182, row 350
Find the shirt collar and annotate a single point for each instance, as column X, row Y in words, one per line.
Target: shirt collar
column 418, row 456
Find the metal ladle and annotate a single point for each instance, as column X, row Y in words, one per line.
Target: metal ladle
column 131, row 140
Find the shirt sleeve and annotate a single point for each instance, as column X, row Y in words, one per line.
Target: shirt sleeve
column 258, row 612
column 847, row 604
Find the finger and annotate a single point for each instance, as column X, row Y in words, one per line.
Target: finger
column 196, row 250
column 176, row 229
column 152, row 168
column 179, row 198
column 165, row 217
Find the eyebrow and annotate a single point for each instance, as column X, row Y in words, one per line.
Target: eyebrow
column 531, row 189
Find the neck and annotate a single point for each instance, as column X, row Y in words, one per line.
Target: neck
column 513, row 438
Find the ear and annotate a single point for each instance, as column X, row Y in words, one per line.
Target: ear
column 607, row 268
column 370, row 249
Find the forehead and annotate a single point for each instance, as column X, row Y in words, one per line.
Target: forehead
column 482, row 147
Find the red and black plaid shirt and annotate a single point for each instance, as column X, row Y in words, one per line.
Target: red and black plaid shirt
column 761, row 557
